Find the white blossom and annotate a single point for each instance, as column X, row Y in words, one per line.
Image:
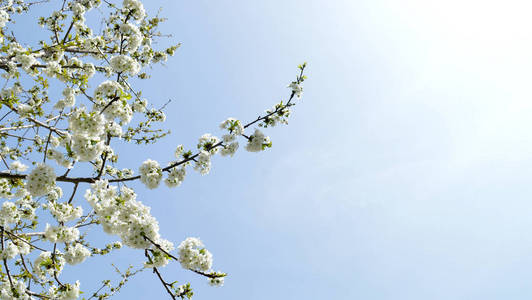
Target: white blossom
column 64, row 212
column 258, row 142
column 123, row 64
column 87, row 148
column 54, row 194
column 66, row 292
column 179, row 151
column 43, row 264
column 113, row 129
column 18, row 166
column 233, row 125
column 69, row 100
column 24, row 109
column 203, row 162
column 26, row 60
column 15, row 292
column 61, row 234
column 216, row 281
column 207, row 142
column 193, row 256
column 14, row 248
column 40, row 180
column 158, row 257
column 118, row 109
column 139, row 105
column 133, row 36
column 296, row 88
column 136, row 8
column 10, row 251
column 5, row 188
column 229, row 149
column 107, row 90
column 86, row 123
column 4, row 18
column 53, row 68
column 76, row 254
column 150, row 173
column 175, row 177
column 123, row 215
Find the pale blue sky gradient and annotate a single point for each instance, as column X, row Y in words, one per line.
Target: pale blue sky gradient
column 404, row 172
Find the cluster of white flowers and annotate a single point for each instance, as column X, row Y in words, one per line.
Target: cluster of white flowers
column 258, row 142
column 11, row 249
column 132, row 35
column 150, row 173
column 53, row 69
column 65, row 292
column 139, row 105
column 217, row 281
column 26, row 60
column 122, row 215
column 61, row 234
column 89, row 69
column 203, row 162
column 78, row 9
column 69, row 100
column 18, row 166
column 179, row 150
column 233, row 125
column 90, row 124
column 207, row 142
column 58, row 156
column 296, row 88
column 235, row 129
column 9, row 214
column 135, row 8
column 5, row 188
column 24, row 109
column 54, row 194
column 4, row 18
column 119, row 109
column 12, row 92
column 94, row 43
column 278, row 114
column 40, row 180
column 26, row 205
column 108, row 96
column 90, row 3
column 64, row 212
column 124, row 64
column 44, row 264
column 193, row 255
column 158, row 257
column 15, row 292
column 229, row 149
column 87, row 129
column 146, row 55
column 175, row 177
column 87, row 148
column 76, row 254
column 113, row 129
column 107, row 90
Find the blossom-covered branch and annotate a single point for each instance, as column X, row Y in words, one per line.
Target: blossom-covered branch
column 68, row 101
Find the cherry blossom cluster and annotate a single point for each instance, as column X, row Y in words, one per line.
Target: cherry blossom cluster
column 192, row 255
column 40, row 180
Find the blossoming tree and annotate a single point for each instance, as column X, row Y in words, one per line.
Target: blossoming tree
column 66, row 101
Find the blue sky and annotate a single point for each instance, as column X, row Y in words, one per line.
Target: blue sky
column 404, row 172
